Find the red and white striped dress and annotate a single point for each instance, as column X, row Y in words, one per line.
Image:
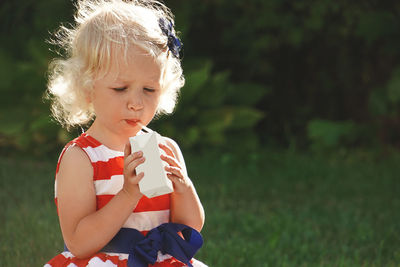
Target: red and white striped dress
column 108, row 180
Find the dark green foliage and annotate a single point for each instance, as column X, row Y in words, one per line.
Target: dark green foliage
column 24, row 57
column 214, row 111
column 334, row 60
column 328, row 135
column 255, row 70
column 211, row 106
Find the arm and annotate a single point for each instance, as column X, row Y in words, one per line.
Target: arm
column 85, row 230
column 186, row 207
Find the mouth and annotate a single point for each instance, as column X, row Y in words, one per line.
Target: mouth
column 132, row 122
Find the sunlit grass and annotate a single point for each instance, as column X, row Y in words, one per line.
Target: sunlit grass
column 267, row 209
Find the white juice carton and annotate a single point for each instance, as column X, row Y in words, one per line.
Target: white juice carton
column 155, row 181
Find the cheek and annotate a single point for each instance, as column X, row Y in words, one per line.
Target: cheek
column 153, row 100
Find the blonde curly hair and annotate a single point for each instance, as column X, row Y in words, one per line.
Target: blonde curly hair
column 102, row 29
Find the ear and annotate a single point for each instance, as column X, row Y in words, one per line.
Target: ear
column 88, row 98
column 88, row 94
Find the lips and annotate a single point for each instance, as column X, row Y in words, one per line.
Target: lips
column 132, row 122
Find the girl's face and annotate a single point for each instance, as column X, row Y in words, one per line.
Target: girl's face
column 127, row 96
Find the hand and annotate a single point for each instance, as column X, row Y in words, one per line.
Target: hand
column 174, row 171
column 131, row 178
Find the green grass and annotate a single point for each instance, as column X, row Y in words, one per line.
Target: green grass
column 29, row 230
column 269, row 209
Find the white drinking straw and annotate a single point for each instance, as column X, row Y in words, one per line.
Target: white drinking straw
column 147, row 129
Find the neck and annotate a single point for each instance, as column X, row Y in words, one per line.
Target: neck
column 110, row 139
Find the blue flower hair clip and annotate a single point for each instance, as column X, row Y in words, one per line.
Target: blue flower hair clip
column 174, row 44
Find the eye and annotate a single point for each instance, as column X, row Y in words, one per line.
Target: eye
column 151, row 90
column 120, row 88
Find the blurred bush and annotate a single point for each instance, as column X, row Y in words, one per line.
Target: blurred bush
column 329, row 135
column 213, row 111
column 330, row 60
column 319, row 74
column 25, row 123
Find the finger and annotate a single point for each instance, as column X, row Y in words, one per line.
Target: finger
column 173, row 178
column 170, row 160
column 127, row 150
column 130, row 168
column 136, row 179
column 131, row 157
column 137, row 162
column 175, row 171
column 167, row 150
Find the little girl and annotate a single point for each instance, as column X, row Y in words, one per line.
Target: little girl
column 122, row 68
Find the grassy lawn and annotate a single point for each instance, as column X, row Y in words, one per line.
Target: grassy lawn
column 271, row 209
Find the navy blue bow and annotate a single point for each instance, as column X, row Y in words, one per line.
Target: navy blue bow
column 143, row 250
column 174, row 44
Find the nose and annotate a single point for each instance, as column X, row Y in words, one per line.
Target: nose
column 135, row 102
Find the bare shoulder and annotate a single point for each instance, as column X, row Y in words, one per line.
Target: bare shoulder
column 75, row 168
column 75, row 159
column 75, row 190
